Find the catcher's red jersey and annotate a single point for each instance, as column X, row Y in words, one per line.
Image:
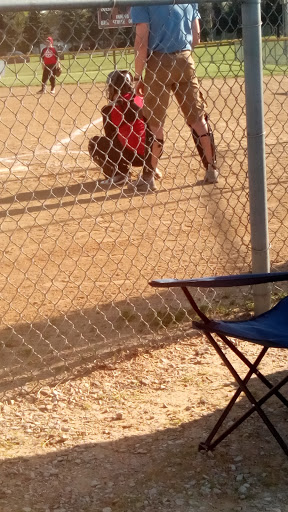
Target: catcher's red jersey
column 131, row 129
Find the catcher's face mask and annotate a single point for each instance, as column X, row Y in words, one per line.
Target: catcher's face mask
column 118, row 82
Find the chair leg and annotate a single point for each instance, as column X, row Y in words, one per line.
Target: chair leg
column 237, row 423
column 253, row 366
column 256, row 406
column 207, row 445
column 233, row 400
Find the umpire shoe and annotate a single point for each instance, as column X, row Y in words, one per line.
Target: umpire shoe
column 211, row 175
column 157, row 174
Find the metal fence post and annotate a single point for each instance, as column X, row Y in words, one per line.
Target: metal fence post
column 285, row 24
column 252, row 45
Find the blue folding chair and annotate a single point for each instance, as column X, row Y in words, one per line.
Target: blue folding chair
column 269, row 329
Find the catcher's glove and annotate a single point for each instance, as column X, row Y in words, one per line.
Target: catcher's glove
column 58, row 70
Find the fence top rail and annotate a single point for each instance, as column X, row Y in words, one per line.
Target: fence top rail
column 46, row 5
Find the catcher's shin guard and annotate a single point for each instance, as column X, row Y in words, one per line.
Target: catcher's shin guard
column 199, row 146
column 94, row 151
column 107, row 157
column 153, row 146
column 100, row 158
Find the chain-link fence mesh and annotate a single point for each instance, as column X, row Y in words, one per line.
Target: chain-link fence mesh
column 76, row 256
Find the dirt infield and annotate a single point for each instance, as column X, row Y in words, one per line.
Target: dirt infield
column 76, row 260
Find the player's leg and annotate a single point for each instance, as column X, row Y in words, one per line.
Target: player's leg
column 192, row 104
column 53, row 80
column 154, row 142
column 109, row 157
column 156, row 99
column 45, row 76
column 204, row 141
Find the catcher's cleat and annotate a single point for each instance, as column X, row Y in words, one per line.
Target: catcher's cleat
column 117, row 181
column 142, row 186
column 211, row 175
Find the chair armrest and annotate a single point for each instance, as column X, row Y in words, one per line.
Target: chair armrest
column 221, row 281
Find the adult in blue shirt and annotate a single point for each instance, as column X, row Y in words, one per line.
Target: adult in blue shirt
column 165, row 37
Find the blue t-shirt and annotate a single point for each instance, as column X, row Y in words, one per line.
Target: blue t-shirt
column 170, row 25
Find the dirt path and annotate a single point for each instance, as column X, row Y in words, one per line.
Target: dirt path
column 76, row 260
column 75, row 267
column 124, row 438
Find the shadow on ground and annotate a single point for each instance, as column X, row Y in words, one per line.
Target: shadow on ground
column 70, row 345
column 73, row 345
column 159, row 471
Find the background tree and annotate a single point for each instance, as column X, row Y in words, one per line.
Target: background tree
column 236, row 18
column 4, row 45
column 216, row 17
column 33, row 31
column 73, row 27
column 205, row 11
column 272, row 16
column 14, row 25
column 51, row 23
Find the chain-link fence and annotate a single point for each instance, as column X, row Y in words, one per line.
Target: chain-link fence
column 76, row 254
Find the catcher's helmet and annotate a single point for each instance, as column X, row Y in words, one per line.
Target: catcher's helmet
column 119, row 82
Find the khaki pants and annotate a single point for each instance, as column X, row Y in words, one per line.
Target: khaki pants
column 172, row 72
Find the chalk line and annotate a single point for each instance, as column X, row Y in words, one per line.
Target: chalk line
column 74, row 135
column 56, row 148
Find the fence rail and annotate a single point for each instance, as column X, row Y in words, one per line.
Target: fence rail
column 46, row 5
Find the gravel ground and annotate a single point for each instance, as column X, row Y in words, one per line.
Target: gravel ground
column 125, row 438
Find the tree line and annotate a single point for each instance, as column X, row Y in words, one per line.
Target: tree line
column 78, row 29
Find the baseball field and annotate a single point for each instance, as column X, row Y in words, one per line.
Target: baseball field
column 76, row 259
column 105, row 389
column 221, row 59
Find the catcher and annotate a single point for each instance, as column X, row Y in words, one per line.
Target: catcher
column 123, row 145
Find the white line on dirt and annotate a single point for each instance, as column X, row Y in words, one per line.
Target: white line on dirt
column 23, row 168
column 56, row 148
column 74, row 135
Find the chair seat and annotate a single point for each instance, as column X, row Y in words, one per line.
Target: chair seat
column 269, row 329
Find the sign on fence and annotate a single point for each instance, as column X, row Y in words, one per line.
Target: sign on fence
column 114, row 17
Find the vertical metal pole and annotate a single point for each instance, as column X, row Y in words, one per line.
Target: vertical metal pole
column 285, row 25
column 252, row 45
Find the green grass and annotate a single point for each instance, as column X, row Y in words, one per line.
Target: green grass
column 211, row 62
column 82, row 68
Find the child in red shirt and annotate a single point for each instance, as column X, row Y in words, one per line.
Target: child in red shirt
column 125, row 131
column 49, row 58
